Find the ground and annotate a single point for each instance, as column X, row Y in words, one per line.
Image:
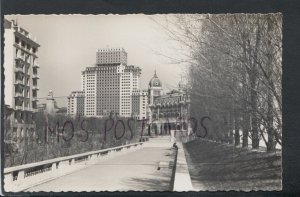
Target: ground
column 214, row 166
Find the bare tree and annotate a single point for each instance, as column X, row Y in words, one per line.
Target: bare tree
column 234, row 72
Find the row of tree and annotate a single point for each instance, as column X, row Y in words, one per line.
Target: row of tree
column 234, row 73
column 62, row 135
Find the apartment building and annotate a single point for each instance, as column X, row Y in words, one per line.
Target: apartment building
column 21, row 81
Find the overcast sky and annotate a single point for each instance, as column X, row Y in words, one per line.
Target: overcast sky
column 69, row 44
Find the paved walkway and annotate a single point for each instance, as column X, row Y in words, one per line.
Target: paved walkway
column 133, row 171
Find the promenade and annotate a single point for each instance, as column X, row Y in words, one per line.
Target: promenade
column 149, row 168
column 201, row 165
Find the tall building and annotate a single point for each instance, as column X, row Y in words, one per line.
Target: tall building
column 111, row 56
column 21, row 81
column 139, row 104
column 76, row 103
column 108, row 85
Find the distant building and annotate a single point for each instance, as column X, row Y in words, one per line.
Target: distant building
column 139, row 104
column 109, row 84
column 21, row 81
column 170, row 110
column 41, row 107
column 76, row 103
column 51, row 107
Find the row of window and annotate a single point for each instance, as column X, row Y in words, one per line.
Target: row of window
column 24, row 44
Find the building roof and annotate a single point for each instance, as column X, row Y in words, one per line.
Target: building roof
column 155, row 82
column 20, row 32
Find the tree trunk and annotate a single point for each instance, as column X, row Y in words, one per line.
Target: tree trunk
column 237, row 130
column 255, row 138
column 271, row 144
column 246, row 128
column 253, row 84
column 230, row 126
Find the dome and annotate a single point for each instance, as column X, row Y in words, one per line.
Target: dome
column 155, row 82
column 181, row 84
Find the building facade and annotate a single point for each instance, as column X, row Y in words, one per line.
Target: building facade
column 111, row 56
column 21, row 81
column 108, row 85
column 139, row 104
column 76, row 103
column 170, row 111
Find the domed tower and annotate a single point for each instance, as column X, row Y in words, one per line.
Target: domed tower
column 155, row 88
column 181, row 86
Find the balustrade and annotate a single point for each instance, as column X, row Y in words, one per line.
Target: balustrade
column 21, row 177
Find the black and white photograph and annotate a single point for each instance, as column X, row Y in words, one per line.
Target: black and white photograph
column 137, row 102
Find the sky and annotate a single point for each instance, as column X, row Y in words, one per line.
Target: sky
column 69, row 44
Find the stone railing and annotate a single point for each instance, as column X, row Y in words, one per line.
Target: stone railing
column 22, row 177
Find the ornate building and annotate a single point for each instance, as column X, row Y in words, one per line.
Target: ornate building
column 154, row 90
column 168, row 111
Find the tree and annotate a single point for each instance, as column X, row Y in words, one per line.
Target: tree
column 235, row 73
